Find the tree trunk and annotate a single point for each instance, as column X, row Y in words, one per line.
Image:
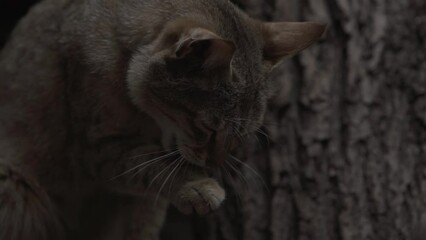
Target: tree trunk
column 346, row 157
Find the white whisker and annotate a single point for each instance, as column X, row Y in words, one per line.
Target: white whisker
column 179, row 161
column 243, row 178
column 239, row 135
column 143, row 164
column 264, row 122
column 176, row 173
column 263, row 133
column 232, row 183
column 159, row 174
column 150, row 153
column 252, row 170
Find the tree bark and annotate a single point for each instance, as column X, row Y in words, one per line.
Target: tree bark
column 346, row 157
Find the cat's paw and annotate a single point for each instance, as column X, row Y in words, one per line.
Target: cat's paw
column 203, row 196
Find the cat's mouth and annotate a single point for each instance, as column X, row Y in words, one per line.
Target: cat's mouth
column 194, row 155
column 210, row 156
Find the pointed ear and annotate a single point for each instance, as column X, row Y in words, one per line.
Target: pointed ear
column 285, row 39
column 205, row 47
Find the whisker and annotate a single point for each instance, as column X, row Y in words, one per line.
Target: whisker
column 179, row 161
column 176, row 173
column 246, row 132
column 241, row 175
column 153, row 161
column 159, row 174
column 258, row 130
column 232, row 183
column 143, row 164
column 241, row 126
column 264, row 122
column 253, row 171
column 144, row 167
column 264, row 134
column 186, row 169
column 150, row 153
column 240, row 137
column 258, row 140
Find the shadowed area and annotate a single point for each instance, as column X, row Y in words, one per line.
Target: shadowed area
column 10, row 12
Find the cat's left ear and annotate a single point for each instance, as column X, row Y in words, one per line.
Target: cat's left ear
column 285, row 39
column 205, row 47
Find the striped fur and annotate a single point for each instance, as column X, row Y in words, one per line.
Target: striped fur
column 26, row 211
column 88, row 87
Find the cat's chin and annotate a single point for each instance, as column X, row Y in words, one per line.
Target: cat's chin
column 191, row 159
column 206, row 165
column 198, row 164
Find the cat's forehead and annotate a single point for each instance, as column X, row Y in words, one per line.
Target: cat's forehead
column 248, row 58
column 235, row 25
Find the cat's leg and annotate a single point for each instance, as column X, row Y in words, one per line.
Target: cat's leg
column 201, row 195
column 26, row 212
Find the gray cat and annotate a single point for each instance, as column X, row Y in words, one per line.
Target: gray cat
column 112, row 109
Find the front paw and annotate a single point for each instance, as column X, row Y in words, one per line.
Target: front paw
column 203, row 195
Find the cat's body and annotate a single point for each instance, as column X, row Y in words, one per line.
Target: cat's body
column 72, row 112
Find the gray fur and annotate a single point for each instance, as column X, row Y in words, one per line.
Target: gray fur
column 77, row 82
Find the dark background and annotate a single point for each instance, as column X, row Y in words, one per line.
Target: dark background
column 10, row 12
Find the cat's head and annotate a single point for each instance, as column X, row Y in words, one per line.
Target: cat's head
column 207, row 85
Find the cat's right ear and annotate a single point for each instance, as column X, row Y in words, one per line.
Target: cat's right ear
column 205, row 48
column 285, row 39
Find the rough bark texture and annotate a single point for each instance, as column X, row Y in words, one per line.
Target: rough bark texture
column 347, row 152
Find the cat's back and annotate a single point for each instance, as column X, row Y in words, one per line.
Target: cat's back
column 32, row 48
column 31, row 82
